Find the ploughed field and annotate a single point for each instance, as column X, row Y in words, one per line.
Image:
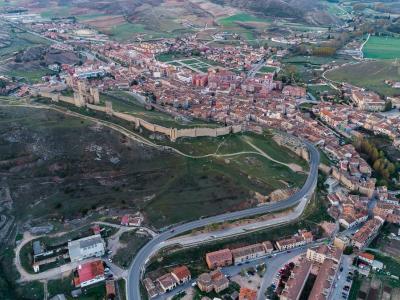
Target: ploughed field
column 59, row 167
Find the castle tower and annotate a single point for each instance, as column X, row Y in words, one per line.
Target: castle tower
column 109, row 109
column 94, row 92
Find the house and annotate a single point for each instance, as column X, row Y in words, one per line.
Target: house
column 89, row 273
column 220, row 258
column 247, row 253
column 290, row 243
column 86, row 247
column 323, row 252
column 150, row 287
column 214, row 280
column 167, row 282
column 130, row 220
column 366, row 257
column 181, row 274
column 247, row 294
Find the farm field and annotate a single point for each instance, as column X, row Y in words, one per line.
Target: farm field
column 379, row 47
column 241, row 17
column 19, row 41
column 119, row 173
column 370, row 74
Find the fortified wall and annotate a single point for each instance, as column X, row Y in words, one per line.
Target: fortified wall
column 81, row 99
column 292, row 143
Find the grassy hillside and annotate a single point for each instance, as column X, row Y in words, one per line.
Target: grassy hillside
column 58, row 167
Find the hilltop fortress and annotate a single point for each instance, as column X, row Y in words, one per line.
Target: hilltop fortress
column 85, row 96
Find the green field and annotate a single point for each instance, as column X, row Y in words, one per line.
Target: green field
column 370, row 75
column 126, row 31
column 241, row 17
column 379, row 47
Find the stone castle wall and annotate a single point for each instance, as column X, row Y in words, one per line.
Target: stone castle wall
column 171, row 133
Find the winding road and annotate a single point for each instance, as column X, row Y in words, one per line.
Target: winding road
column 138, row 265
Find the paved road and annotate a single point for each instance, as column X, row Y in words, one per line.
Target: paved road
column 142, row 258
column 340, row 281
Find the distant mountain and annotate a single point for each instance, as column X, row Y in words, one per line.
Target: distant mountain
column 309, row 11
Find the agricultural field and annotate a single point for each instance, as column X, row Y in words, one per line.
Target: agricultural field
column 49, row 178
column 241, row 18
column 380, row 47
column 18, row 40
column 370, row 75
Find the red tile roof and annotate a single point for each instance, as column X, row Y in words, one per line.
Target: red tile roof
column 90, row 270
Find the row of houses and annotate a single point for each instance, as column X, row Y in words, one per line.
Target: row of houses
column 227, row 257
column 167, row 282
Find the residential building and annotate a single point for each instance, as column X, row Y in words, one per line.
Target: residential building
column 367, row 232
column 247, row 253
column 215, row 280
column 220, row 258
column 167, row 282
column 323, row 284
column 86, row 247
column 297, row 280
column 181, row 274
column 247, row 294
column 89, row 273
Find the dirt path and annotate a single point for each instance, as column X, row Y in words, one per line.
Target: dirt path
column 292, row 166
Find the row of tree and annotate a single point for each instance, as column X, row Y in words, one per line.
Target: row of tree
column 376, row 158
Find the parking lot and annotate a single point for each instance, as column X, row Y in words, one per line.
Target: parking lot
column 344, row 279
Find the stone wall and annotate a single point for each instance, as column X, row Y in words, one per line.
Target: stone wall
column 172, row 133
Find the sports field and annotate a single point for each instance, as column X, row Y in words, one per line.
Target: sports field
column 379, row 47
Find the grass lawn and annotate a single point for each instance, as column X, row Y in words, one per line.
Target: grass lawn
column 370, row 75
column 380, row 47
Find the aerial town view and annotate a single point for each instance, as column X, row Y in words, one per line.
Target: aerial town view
column 200, row 149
